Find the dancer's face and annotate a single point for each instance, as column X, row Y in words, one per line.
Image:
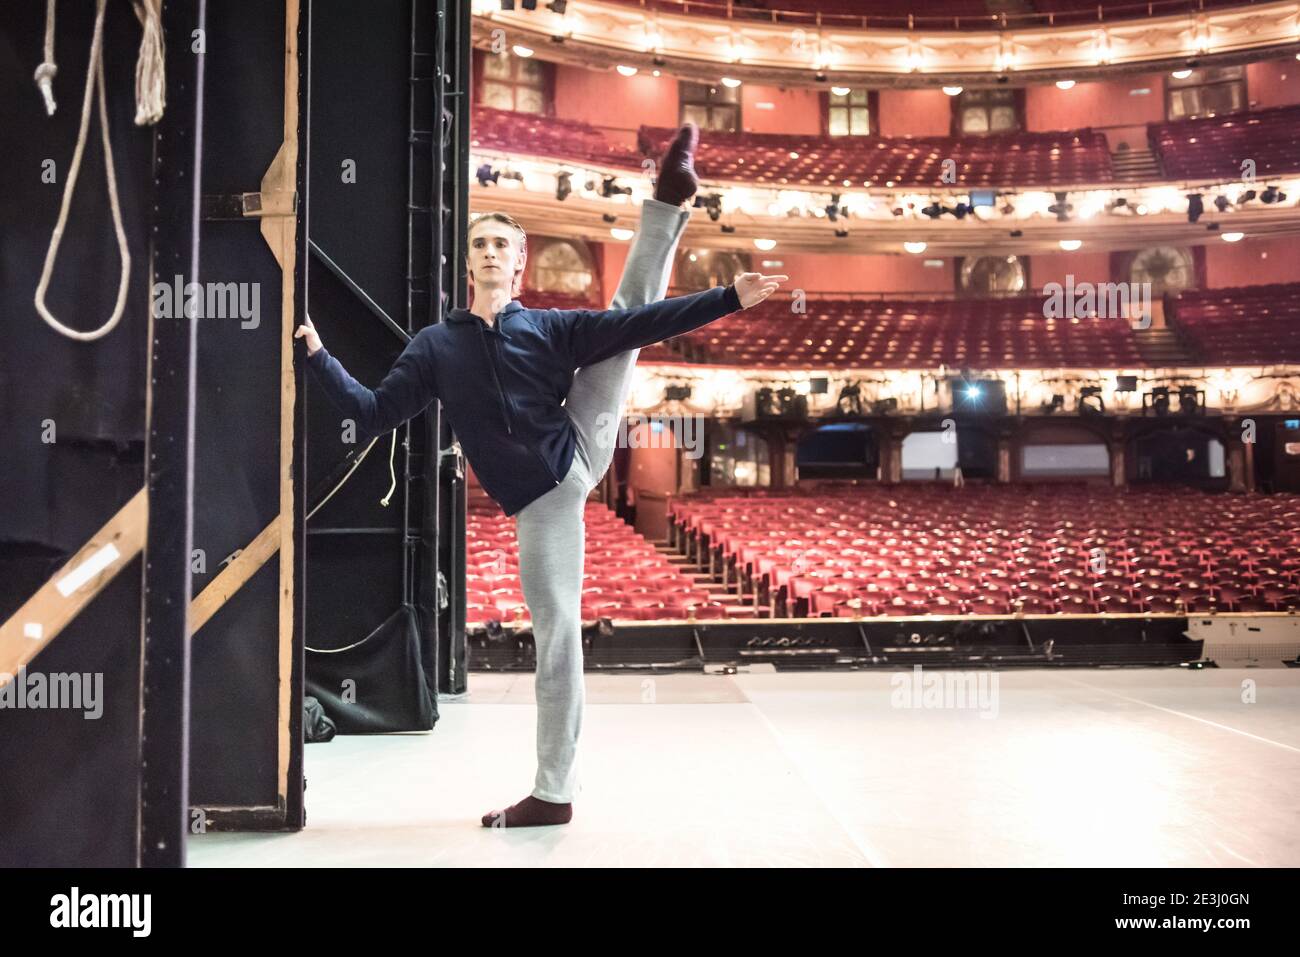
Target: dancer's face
column 495, row 259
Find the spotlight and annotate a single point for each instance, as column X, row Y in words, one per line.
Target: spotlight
column 1056, row 405
column 841, row 233
column 1221, row 203
column 1195, row 207
column 530, row 4
column 677, row 392
column 960, row 210
column 850, row 400
column 884, row 406
column 1090, row 401
column 712, row 203
column 1157, row 400
column 1190, row 400
column 1061, row 208
column 609, row 188
column 558, row 6
column 1272, row 195
column 563, row 185
column 834, row 210
column 934, row 210
column 727, row 228
column 1246, row 197
column 486, row 174
column 507, row 4
column 609, row 217
column 1017, row 233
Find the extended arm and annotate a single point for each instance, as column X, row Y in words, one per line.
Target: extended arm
column 591, row 335
column 406, row 390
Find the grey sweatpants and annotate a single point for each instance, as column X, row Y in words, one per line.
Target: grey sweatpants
column 551, row 530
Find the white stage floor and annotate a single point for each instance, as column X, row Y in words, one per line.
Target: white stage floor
column 1076, row 768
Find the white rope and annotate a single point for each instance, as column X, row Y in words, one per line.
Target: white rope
column 46, row 71
column 360, row 459
column 392, row 454
column 94, row 80
column 150, row 96
column 150, row 72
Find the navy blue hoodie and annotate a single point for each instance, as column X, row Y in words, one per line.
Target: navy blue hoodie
column 501, row 385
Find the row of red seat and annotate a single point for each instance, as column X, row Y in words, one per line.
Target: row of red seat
column 624, row 576
column 914, row 550
column 1241, row 325
column 1211, row 148
column 1217, row 147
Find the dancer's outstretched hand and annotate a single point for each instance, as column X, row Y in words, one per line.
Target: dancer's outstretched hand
column 308, row 331
column 754, row 287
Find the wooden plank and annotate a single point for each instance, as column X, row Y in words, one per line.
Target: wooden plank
column 235, row 575
column 62, row 598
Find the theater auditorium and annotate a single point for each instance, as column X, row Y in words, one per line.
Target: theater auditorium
column 974, row 541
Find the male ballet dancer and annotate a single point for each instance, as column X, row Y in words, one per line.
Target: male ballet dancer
column 501, row 371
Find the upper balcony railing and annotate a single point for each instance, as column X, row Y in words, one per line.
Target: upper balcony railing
column 1083, row 13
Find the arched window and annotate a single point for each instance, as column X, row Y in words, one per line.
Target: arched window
column 699, row 269
column 1167, row 268
column 992, row 275
column 561, row 266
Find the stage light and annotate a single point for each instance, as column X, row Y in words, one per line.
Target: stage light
column 765, row 244
column 850, row 400
column 674, row 392
column 1190, row 400
column 1272, row 195
column 727, row 229
column 1246, row 197
column 621, row 233
column 952, row 90
column 1065, row 84
column 563, row 185
column 522, row 51
column 1090, row 401
column 1157, row 400
column 1141, row 209
column 486, row 174
column 1056, row 405
column 884, row 406
column 1061, row 207
column 934, row 210
column 1070, row 245
column 609, row 188
column 1181, row 74
column 730, row 82
column 960, row 210
column 530, row 4
column 1221, row 203
column 558, row 6
column 842, row 233
column 915, row 248
column 609, row 217
column 712, row 203
column 507, row 4
column 972, row 392
column 840, row 90
column 1233, row 237
column 626, row 70
column 1195, row 207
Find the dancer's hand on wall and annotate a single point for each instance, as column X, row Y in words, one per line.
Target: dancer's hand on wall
column 754, row 287
column 313, row 340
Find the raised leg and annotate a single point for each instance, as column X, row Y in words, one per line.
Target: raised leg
column 595, row 402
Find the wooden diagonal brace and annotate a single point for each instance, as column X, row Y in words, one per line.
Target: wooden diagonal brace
column 61, row 599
